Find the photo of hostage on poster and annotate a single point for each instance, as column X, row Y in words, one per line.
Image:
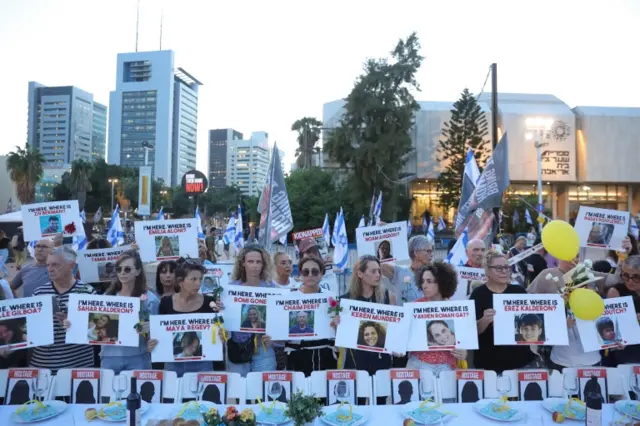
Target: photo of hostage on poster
column 43, row 220
column 468, row 279
column 373, row 327
column 246, row 307
column 26, row 323
column 185, row 337
column 99, row 265
column 387, row 242
column 438, row 326
column 528, row 319
column 103, row 320
column 616, row 327
column 218, row 275
column 167, row 239
column 602, row 228
column 306, row 316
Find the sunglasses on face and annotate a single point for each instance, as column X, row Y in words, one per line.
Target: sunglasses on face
column 124, row 270
column 314, row 272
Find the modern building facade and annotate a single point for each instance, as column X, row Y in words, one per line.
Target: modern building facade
column 248, row 163
column 52, row 176
column 154, row 105
column 61, row 123
column 219, row 140
column 9, row 191
column 99, row 132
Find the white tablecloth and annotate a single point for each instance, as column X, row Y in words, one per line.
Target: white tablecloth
column 382, row 415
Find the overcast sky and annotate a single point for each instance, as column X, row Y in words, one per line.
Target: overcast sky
column 265, row 64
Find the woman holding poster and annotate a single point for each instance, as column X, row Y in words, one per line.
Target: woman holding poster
column 166, row 278
column 630, row 286
column 310, row 355
column 250, row 352
column 437, row 282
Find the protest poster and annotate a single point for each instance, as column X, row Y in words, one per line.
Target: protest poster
column 373, row 327
column 150, row 385
column 85, row 386
column 167, row 239
column 103, row 320
column 217, row 276
column 469, row 385
column 438, row 326
column 405, row 386
column 602, row 228
column 26, row 323
column 533, row 385
column 185, row 337
column 277, row 386
column 316, row 234
column 19, row 388
column 99, row 265
column 529, row 319
column 246, row 307
column 468, row 279
column 586, row 387
column 387, row 242
column 618, row 325
column 341, row 387
column 43, row 220
column 306, row 316
column 214, row 387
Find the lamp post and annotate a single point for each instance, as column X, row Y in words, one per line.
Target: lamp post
column 537, row 128
column 113, row 183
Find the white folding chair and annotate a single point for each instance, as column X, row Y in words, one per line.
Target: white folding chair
column 614, row 382
column 364, row 388
column 255, row 387
column 169, row 383
column 448, row 384
column 554, row 382
column 382, row 384
column 63, row 382
column 235, row 386
column 4, row 382
column 625, row 371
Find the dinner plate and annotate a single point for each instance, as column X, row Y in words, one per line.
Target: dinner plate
column 275, row 418
column 440, row 415
column 326, row 419
column 483, row 408
column 188, row 410
column 58, row 406
column 552, row 405
column 628, row 407
column 143, row 409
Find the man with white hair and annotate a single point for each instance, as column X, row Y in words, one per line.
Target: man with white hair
column 475, row 253
column 60, row 266
column 402, row 277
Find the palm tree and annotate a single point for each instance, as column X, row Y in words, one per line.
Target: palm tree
column 79, row 181
column 308, row 129
column 25, row 170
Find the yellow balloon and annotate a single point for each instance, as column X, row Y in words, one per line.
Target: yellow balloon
column 586, row 304
column 561, row 240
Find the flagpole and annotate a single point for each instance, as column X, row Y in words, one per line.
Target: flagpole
column 494, row 131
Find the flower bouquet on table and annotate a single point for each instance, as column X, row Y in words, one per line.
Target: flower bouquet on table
column 303, row 409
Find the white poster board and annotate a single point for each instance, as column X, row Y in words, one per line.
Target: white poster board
column 305, row 316
column 468, row 279
column 185, row 338
column 26, row 323
column 103, row 320
column 317, row 235
column 373, row 327
column 49, row 219
column 387, row 242
column 618, row 325
column 167, row 239
column 602, row 228
column 218, row 275
column 529, row 319
column 245, row 307
column 437, row 326
column 328, row 283
column 99, row 265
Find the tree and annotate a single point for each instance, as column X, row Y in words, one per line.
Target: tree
column 312, row 193
column 79, row 181
column 25, row 170
column 373, row 138
column 466, row 129
column 308, row 129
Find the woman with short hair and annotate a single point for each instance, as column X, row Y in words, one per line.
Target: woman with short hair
column 402, row 277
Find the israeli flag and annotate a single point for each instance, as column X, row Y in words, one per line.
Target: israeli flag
column 431, row 235
column 527, row 217
column 238, row 239
column 377, row 209
column 361, row 224
column 230, row 232
column 160, row 214
column 326, row 233
column 341, row 251
column 458, row 254
column 115, row 235
column 98, row 216
column 199, row 224
column 409, row 227
column 83, row 216
column 634, row 228
column 441, row 225
column 425, row 228
column 471, row 167
column 516, row 217
column 31, row 248
column 334, row 236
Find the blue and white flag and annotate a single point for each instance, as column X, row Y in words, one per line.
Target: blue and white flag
column 326, row 233
column 425, row 227
column 83, row 216
column 377, row 209
column 199, row 224
column 516, row 217
column 98, row 216
column 31, row 248
column 334, row 235
column 409, row 227
column 341, row 250
column 634, row 228
column 79, row 243
column 458, row 254
column 115, row 235
column 160, row 214
column 431, row 235
column 441, row 225
column 230, row 232
column 362, row 223
column 527, row 217
column 239, row 237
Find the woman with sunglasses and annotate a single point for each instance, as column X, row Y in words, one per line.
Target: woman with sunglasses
column 630, row 286
column 166, row 278
column 310, row 355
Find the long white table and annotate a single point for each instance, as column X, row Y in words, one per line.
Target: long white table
column 381, row 415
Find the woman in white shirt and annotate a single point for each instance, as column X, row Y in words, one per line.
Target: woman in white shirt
column 284, row 267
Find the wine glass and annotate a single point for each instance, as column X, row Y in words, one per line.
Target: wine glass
column 570, row 385
column 196, row 387
column 426, row 388
column 40, row 384
column 275, row 390
column 634, row 385
column 503, row 385
column 119, row 386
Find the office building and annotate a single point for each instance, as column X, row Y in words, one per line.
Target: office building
column 99, row 135
column 61, row 123
column 248, row 163
column 154, row 105
column 218, row 144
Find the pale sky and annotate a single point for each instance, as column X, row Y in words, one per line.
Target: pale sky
column 264, row 64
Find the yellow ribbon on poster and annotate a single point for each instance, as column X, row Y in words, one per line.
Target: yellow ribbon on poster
column 214, row 332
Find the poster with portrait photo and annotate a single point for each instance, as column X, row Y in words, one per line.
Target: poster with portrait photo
column 469, row 385
column 185, row 338
column 618, row 325
column 49, row 219
column 103, row 320
column 26, row 322
column 341, row 387
column 215, row 387
column 150, row 385
column 602, row 228
column 529, row 319
column 373, row 327
column 468, row 279
column 306, row 316
column 405, row 386
column 167, row 239
column 218, row 275
column 533, row 385
column 586, row 387
column 437, row 326
column 85, row 386
column 19, row 388
column 277, row 386
column 99, row 265
column 387, row 242
column 246, row 307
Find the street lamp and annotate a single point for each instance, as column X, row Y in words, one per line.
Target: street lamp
column 113, row 183
column 147, row 146
column 537, row 128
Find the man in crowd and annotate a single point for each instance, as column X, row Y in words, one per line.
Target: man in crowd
column 34, row 275
column 60, row 266
column 403, row 278
column 475, row 253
